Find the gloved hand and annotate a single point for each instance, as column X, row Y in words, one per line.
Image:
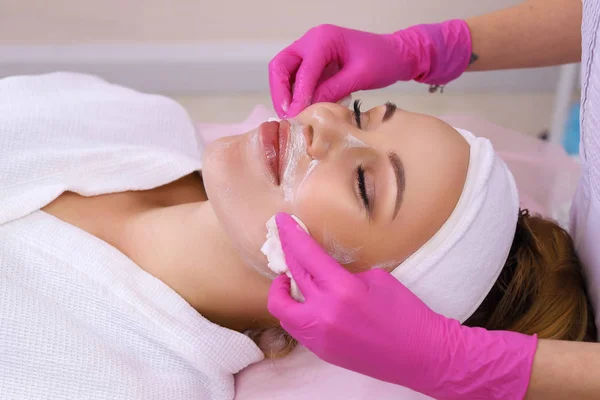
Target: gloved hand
column 372, row 324
column 330, row 62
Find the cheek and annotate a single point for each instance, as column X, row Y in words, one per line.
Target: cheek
column 328, row 207
column 333, row 215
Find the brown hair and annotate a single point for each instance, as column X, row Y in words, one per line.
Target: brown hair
column 540, row 290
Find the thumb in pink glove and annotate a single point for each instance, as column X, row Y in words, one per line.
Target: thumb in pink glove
column 372, row 324
column 330, row 62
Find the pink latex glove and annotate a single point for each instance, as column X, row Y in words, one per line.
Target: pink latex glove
column 330, row 62
column 372, row 324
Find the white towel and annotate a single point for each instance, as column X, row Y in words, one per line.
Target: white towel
column 455, row 270
column 66, row 131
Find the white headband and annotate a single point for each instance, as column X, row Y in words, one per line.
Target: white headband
column 455, row 270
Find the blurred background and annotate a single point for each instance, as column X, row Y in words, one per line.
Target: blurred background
column 212, row 55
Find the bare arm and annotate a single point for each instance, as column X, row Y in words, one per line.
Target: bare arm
column 565, row 370
column 535, row 33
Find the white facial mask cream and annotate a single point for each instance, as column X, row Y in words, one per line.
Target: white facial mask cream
column 311, row 167
column 274, row 253
column 340, row 253
column 296, row 148
column 352, row 141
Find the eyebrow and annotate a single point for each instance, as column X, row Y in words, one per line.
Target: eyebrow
column 390, row 109
column 400, row 180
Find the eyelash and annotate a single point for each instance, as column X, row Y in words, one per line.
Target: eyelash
column 357, row 113
column 360, row 177
column 360, row 171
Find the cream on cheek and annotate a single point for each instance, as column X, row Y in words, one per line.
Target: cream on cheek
column 387, row 265
column 345, row 255
column 342, row 254
column 296, row 148
column 311, row 167
column 351, row 142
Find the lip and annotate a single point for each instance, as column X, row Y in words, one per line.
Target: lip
column 268, row 132
column 284, row 135
column 274, row 138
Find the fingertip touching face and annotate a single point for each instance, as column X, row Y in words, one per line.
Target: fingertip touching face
column 372, row 187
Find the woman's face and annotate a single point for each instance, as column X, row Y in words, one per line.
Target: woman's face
column 371, row 193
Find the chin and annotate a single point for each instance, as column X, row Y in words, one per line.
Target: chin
column 222, row 170
column 240, row 199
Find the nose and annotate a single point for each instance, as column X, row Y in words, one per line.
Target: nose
column 327, row 126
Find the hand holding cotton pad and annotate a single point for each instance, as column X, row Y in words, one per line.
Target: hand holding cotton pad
column 274, row 253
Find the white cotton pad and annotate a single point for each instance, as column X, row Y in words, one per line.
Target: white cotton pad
column 274, row 253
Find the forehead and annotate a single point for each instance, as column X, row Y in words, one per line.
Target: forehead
column 435, row 158
column 415, row 127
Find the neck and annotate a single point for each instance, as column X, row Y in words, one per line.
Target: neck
column 192, row 254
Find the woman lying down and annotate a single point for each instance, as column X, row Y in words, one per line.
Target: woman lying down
column 130, row 262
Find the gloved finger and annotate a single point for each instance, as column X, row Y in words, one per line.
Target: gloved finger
column 282, row 69
column 336, row 88
column 305, row 258
column 307, row 77
column 303, row 278
column 281, row 304
column 330, row 70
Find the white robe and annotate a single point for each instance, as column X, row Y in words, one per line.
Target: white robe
column 78, row 319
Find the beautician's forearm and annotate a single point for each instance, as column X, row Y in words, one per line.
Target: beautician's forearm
column 565, row 370
column 532, row 34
